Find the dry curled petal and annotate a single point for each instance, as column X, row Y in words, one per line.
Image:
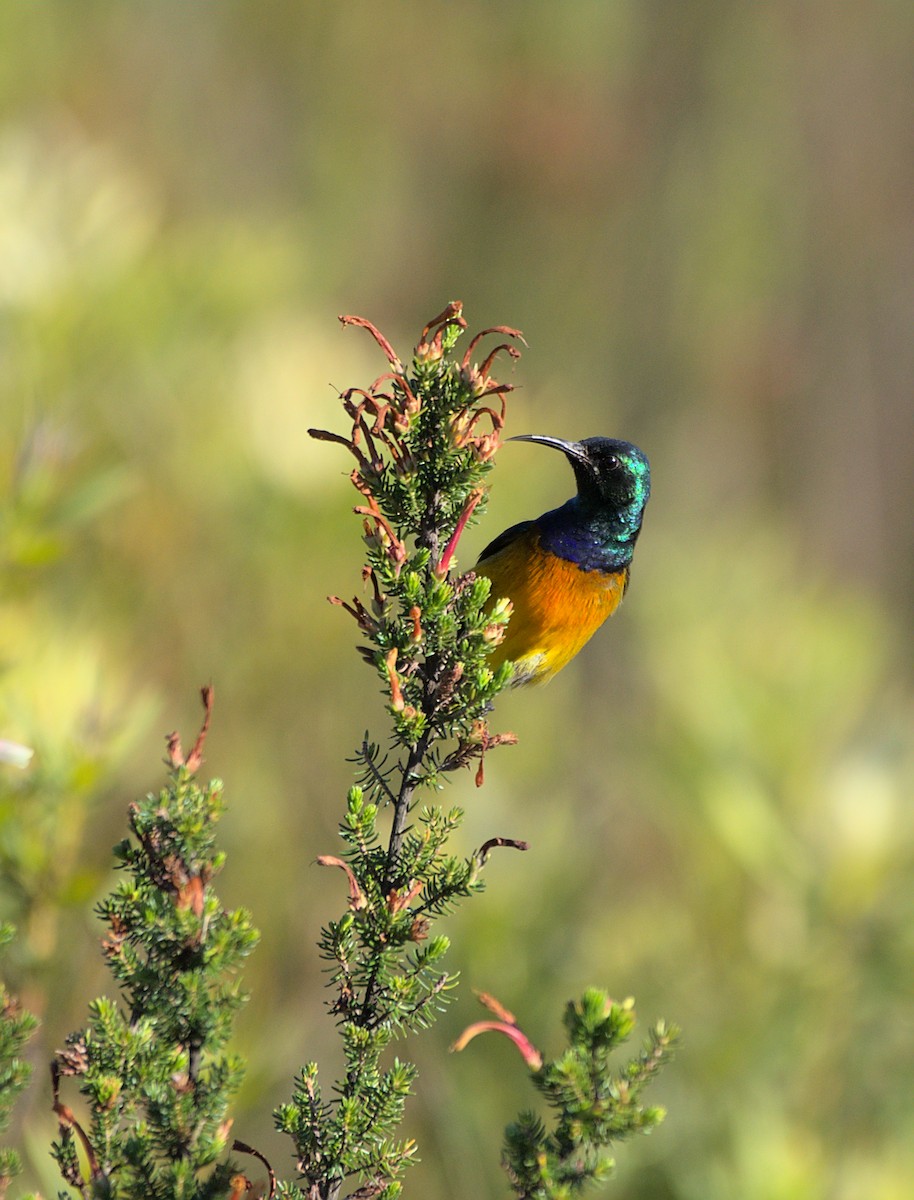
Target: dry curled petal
column 357, row 899
column 378, row 337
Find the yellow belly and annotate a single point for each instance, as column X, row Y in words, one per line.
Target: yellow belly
column 557, row 607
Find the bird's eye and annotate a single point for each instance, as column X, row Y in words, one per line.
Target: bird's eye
column 612, row 463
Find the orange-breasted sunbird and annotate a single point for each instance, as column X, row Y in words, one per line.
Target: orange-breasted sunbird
column 567, row 571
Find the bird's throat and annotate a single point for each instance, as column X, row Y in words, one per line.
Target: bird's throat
column 593, row 540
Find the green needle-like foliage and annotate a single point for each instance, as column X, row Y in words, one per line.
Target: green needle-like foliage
column 153, row 1069
column 423, row 439
column 16, row 1027
column 593, row 1104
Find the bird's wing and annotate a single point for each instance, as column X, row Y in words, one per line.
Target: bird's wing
column 505, row 539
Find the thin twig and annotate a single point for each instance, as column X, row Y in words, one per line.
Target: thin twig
column 375, row 772
column 244, row 1148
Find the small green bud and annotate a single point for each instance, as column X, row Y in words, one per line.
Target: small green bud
column 480, row 591
column 106, row 1090
column 501, row 611
column 437, row 948
column 344, row 925
column 412, row 587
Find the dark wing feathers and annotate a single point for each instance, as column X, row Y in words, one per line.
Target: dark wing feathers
column 505, row 539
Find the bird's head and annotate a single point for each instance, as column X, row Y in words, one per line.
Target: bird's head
column 610, row 474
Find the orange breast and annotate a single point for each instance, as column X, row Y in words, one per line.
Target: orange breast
column 557, row 606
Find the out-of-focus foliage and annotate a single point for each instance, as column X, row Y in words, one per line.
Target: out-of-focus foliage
column 16, row 1027
column 701, row 217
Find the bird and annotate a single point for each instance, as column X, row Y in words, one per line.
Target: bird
column 566, row 571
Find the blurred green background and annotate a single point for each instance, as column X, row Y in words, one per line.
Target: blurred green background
column 702, row 217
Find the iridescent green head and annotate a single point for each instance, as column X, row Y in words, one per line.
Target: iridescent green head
column 610, row 474
column 597, row 528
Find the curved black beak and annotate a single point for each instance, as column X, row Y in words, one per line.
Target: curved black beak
column 574, row 450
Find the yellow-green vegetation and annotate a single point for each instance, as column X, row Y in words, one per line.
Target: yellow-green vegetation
column 698, row 216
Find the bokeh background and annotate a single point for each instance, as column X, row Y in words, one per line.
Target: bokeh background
column 702, row 217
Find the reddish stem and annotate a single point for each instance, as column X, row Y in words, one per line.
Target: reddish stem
column 444, row 564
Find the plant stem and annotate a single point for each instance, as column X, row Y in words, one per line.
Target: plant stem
column 431, row 671
column 397, row 833
column 403, row 805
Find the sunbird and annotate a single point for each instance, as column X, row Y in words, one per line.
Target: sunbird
column 567, row 571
